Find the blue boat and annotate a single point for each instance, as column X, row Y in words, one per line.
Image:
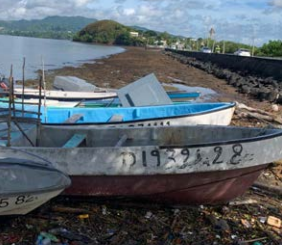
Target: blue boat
column 182, row 95
column 219, row 113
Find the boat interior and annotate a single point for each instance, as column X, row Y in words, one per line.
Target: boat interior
column 91, row 136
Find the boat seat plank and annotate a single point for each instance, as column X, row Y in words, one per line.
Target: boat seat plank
column 75, row 141
column 121, row 140
column 116, row 118
column 74, row 118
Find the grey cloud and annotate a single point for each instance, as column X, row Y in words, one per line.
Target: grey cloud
column 37, row 9
column 274, row 6
column 275, row 3
column 7, row 4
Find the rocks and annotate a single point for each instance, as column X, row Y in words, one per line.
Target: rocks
column 275, row 108
column 261, row 88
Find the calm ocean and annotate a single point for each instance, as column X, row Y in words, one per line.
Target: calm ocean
column 55, row 54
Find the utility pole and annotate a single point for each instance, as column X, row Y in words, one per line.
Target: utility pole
column 212, row 33
column 223, row 48
column 253, row 42
column 253, row 47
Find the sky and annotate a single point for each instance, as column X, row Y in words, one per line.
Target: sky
column 247, row 21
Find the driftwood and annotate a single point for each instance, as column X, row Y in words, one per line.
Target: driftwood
column 251, row 109
column 243, row 202
column 62, row 209
column 249, row 112
column 260, row 117
column 252, row 240
column 273, row 189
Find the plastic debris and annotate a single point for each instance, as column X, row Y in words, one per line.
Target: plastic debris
column 233, row 237
column 148, row 215
column 273, row 221
column 104, row 210
column 46, row 241
column 83, row 216
column 262, row 220
column 257, row 243
column 246, row 223
column 49, row 236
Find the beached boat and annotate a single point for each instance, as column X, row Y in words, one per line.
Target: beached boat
column 26, row 185
column 69, row 104
column 177, row 164
column 71, row 83
column 64, row 95
column 183, row 95
column 84, row 96
column 47, row 102
column 176, row 114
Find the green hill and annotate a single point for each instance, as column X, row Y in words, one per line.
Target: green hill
column 60, row 27
column 108, row 32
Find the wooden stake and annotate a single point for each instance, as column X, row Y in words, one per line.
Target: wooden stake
column 13, row 98
column 39, row 108
column 10, row 111
column 44, row 87
column 24, row 134
column 23, row 87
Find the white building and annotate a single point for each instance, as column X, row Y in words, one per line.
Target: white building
column 134, row 34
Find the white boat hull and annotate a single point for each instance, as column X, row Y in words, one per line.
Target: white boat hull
column 65, row 95
column 21, row 204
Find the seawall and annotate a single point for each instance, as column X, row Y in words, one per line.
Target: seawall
column 257, row 66
column 259, row 77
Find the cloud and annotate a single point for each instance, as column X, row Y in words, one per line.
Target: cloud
column 276, row 3
column 129, row 11
column 231, row 19
column 81, row 2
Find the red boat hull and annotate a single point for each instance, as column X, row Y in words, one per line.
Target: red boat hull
column 193, row 188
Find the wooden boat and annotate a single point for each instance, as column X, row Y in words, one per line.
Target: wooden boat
column 175, row 114
column 70, row 104
column 177, row 164
column 64, row 95
column 47, row 103
column 79, row 96
column 72, row 83
column 26, row 184
column 175, row 96
column 79, row 90
column 183, row 95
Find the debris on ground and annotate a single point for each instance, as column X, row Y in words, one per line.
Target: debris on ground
column 125, row 222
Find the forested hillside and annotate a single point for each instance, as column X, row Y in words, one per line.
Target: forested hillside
column 58, row 27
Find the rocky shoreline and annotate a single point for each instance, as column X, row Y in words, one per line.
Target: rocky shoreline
column 260, row 88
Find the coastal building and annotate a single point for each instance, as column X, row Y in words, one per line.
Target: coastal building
column 134, row 34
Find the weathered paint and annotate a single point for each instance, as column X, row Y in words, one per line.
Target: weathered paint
column 194, row 188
